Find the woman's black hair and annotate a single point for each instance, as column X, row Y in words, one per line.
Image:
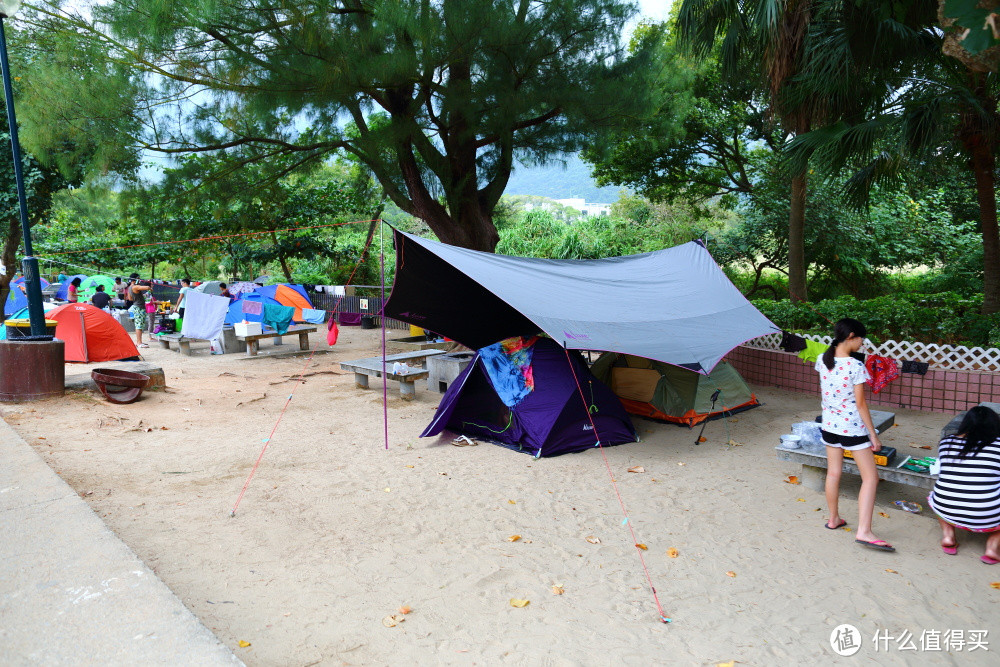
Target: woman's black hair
column 980, row 426
column 76, row 281
column 841, row 330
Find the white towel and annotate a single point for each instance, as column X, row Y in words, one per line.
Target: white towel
column 204, row 315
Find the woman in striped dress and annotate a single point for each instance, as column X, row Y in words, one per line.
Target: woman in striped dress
column 967, row 492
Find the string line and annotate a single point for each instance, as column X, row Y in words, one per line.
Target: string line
column 627, row 521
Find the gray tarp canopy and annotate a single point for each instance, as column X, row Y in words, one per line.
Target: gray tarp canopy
column 674, row 305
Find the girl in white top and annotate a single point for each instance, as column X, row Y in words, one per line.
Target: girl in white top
column 847, row 424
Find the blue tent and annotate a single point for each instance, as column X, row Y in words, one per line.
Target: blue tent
column 62, row 293
column 17, row 299
column 236, row 313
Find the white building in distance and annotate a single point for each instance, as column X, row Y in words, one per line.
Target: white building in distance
column 586, row 208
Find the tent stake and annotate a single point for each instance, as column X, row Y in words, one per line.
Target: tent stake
column 715, row 397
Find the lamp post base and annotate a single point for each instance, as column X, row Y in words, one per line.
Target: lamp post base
column 31, row 370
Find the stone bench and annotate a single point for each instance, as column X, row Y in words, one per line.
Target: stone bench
column 253, row 342
column 814, row 462
column 183, row 345
column 372, row 367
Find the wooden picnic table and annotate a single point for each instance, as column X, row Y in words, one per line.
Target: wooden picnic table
column 372, row 367
column 253, row 342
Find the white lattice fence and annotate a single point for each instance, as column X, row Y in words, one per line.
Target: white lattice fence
column 938, row 357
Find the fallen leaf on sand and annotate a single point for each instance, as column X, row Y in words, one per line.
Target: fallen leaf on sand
column 681, row 464
column 792, row 479
column 409, row 466
column 672, row 552
column 404, row 609
column 643, row 547
column 995, row 584
column 393, row 620
column 801, row 500
column 733, row 443
column 593, row 540
column 244, row 643
column 514, row 602
column 731, row 574
column 731, row 663
column 847, row 529
column 925, row 446
column 637, row 469
column 513, row 538
column 512, row 502
column 558, row 589
column 702, row 439
column 891, row 571
column 387, row 489
column 883, row 515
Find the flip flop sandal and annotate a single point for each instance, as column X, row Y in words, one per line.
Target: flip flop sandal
column 837, row 527
column 989, row 560
column 464, row 441
column 951, row 551
column 880, row 545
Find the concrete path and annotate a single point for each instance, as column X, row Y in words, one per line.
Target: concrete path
column 71, row 592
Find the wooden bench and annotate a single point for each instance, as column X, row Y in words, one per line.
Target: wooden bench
column 253, row 342
column 814, row 462
column 372, row 367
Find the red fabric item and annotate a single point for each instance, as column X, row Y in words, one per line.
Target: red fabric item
column 883, row 371
column 332, row 331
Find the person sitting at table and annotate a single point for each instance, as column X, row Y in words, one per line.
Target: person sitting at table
column 967, row 492
column 101, row 299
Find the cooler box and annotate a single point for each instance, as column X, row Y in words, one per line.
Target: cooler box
column 244, row 329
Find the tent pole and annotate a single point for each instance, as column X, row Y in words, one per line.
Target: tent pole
column 715, row 397
column 385, row 386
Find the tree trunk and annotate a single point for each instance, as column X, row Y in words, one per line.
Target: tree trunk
column 9, row 259
column 797, row 289
column 978, row 134
column 983, row 166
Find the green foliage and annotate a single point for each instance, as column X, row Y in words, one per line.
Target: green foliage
column 944, row 318
column 442, row 96
column 634, row 226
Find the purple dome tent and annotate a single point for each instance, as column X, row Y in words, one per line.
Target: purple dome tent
column 552, row 419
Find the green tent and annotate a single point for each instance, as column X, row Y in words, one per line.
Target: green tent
column 670, row 393
column 89, row 286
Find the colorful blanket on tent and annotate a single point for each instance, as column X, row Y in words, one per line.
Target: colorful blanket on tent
column 508, row 364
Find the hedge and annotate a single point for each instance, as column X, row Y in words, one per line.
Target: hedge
column 945, row 318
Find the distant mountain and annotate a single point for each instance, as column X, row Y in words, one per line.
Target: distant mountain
column 558, row 182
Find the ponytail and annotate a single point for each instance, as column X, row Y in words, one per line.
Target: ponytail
column 841, row 331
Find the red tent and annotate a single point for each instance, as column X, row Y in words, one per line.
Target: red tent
column 91, row 334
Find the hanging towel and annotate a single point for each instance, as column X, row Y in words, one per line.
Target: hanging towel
column 812, row 351
column 252, row 307
column 278, row 317
column 791, row 342
column 883, row 371
column 508, row 365
column 313, row 316
column 204, row 315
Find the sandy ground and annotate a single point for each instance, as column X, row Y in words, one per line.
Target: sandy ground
column 335, row 533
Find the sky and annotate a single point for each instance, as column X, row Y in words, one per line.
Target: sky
column 654, row 9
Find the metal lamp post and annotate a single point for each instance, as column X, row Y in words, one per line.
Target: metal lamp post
column 32, row 284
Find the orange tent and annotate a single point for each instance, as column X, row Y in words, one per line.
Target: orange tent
column 91, row 334
column 288, row 296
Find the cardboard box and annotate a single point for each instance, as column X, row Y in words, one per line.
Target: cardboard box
column 244, row 329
